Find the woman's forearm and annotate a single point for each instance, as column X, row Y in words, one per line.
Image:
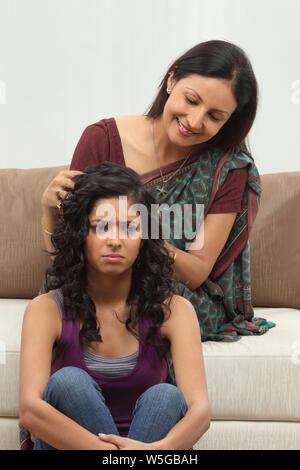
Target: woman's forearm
column 59, row 431
column 188, row 268
column 49, row 219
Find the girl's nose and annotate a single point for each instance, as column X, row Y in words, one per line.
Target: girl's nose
column 113, row 237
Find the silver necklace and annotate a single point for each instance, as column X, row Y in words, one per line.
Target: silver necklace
column 162, row 190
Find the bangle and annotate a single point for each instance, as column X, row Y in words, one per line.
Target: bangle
column 48, row 233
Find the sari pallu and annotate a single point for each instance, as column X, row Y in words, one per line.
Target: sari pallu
column 223, row 302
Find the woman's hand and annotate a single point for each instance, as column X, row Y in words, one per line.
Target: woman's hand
column 62, row 181
column 124, row 443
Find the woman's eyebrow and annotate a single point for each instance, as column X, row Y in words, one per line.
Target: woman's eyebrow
column 218, row 110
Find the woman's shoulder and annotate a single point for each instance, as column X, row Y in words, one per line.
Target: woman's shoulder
column 239, row 156
column 130, row 123
column 96, row 143
column 99, row 127
column 105, row 124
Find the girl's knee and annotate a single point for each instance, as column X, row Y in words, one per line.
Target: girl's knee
column 68, row 375
column 67, row 379
column 168, row 394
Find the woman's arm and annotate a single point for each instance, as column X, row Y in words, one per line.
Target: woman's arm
column 41, row 328
column 92, row 148
column 183, row 331
column 50, row 211
column 194, row 266
column 49, row 219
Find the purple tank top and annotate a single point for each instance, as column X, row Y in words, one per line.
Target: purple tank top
column 122, row 392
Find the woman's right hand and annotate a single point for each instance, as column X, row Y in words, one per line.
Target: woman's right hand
column 62, row 181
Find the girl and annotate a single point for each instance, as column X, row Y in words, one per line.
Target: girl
column 97, row 346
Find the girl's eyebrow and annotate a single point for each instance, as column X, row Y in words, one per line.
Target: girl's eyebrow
column 100, row 218
column 217, row 110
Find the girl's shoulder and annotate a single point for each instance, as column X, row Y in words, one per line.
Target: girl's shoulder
column 176, row 302
column 46, row 305
column 178, row 311
column 41, row 313
column 46, row 301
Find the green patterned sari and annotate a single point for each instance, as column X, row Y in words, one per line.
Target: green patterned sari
column 223, row 301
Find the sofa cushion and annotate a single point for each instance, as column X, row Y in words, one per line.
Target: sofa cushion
column 275, row 243
column 258, row 377
column 9, row 434
column 23, row 262
column 251, row 435
column 11, row 318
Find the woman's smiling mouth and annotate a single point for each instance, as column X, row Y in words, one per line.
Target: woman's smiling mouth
column 183, row 130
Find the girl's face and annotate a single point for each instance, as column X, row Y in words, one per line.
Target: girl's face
column 111, row 233
column 197, row 108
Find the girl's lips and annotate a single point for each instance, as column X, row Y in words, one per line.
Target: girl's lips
column 113, row 259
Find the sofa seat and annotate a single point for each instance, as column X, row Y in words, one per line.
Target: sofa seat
column 258, row 377
column 253, row 384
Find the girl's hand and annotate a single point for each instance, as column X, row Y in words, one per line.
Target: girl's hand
column 124, row 443
column 59, row 183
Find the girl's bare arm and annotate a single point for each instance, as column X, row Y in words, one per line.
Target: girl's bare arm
column 41, row 328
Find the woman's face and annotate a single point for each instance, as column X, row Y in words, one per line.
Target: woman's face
column 111, row 233
column 197, row 108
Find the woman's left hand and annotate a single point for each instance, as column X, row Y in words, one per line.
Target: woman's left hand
column 124, row 443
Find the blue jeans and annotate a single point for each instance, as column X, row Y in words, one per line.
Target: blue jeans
column 74, row 393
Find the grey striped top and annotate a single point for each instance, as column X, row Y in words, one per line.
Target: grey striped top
column 110, row 367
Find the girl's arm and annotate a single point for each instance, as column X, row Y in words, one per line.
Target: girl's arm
column 194, row 266
column 41, row 328
column 183, row 331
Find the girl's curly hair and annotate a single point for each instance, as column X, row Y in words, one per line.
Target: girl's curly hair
column 152, row 281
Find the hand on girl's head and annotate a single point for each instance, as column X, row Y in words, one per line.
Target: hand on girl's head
column 57, row 187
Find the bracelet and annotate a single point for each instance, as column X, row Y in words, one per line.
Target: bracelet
column 48, row 233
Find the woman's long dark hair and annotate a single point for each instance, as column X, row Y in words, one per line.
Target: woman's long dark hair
column 218, row 59
column 152, row 280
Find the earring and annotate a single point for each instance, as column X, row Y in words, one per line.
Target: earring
column 168, row 90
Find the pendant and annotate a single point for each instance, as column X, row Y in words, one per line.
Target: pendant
column 162, row 191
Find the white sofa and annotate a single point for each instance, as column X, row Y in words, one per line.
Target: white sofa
column 254, row 384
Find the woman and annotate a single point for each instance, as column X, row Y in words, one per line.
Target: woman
column 190, row 149
column 94, row 353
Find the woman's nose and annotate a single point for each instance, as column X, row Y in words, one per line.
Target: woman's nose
column 196, row 119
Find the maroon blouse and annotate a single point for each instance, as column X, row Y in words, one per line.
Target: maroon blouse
column 101, row 142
